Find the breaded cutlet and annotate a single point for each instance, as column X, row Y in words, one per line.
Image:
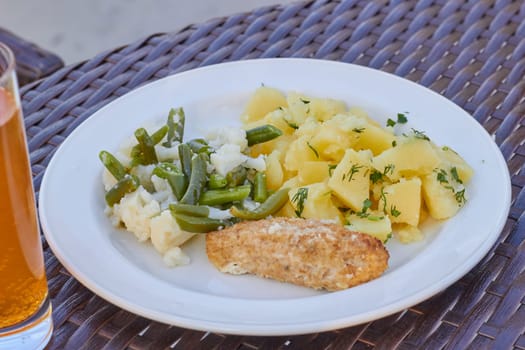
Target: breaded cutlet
column 306, row 252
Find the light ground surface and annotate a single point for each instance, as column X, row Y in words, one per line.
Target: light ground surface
column 79, row 29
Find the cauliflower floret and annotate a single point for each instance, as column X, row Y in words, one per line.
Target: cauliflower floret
column 135, row 211
column 175, row 257
column 166, row 233
column 258, row 163
column 227, row 158
column 228, row 135
column 167, row 153
column 143, row 172
column 163, row 193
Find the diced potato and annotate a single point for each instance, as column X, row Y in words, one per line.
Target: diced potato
column 407, row 233
column 359, row 112
column 375, row 224
column 331, row 142
column 263, row 101
column 309, row 128
column 402, row 201
column 299, row 151
column 415, row 157
column 441, row 199
column 291, row 183
column 452, row 159
column 311, row 172
column 317, row 202
column 375, row 139
column 350, row 179
column 278, row 119
column 274, row 171
column 299, row 107
column 325, row 108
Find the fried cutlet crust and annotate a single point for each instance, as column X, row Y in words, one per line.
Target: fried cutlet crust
column 306, row 252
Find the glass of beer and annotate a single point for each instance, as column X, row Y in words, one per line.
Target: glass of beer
column 25, row 309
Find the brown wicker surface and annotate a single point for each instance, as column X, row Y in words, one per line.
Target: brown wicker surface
column 472, row 52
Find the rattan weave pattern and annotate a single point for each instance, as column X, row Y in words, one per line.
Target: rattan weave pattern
column 472, row 52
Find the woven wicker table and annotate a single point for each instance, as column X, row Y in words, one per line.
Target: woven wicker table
column 472, row 52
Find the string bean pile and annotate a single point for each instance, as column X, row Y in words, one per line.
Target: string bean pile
column 197, row 187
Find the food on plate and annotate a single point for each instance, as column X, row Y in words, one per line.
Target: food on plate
column 165, row 189
column 306, row 191
column 310, row 253
column 342, row 165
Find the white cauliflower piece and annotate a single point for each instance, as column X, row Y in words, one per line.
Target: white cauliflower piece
column 258, row 163
column 163, row 193
column 228, row 135
column 143, row 172
column 166, row 233
column 167, row 153
column 175, row 257
column 227, row 158
column 135, row 211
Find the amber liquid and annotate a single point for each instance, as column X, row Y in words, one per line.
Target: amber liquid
column 23, row 285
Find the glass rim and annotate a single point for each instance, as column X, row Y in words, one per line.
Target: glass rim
column 8, row 55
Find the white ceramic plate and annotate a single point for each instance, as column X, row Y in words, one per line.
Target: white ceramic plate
column 131, row 275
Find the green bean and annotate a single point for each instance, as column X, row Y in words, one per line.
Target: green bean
column 197, row 180
column 216, row 197
column 272, row 204
column 199, row 146
column 260, row 192
column 176, row 179
column 217, row 181
column 113, row 165
column 127, row 184
column 185, row 155
column 175, row 129
column 198, row 224
column 189, row 209
column 237, row 177
column 262, row 134
column 158, row 135
column 147, row 147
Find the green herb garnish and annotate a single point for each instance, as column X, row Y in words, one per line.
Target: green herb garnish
column 313, row 149
column 299, row 198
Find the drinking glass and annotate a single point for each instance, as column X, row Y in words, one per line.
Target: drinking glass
column 25, row 309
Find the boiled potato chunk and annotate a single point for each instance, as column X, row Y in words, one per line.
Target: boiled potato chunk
column 274, row 171
column 415, row 157
column 350, row 179
column 452, row 159
column 263, row 101
column 280, row 144
column 375, row 139
column 299, row 108
column 407, row 233
column 359, row 112
column 402, row 201
column 334, row 136
column 325, row 108
column 299, row 151
column 379, row 226
column 442, row 200
column 311, row 172
column 309, row 128
column 316, row 200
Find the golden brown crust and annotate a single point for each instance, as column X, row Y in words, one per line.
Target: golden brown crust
column 311, row 253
